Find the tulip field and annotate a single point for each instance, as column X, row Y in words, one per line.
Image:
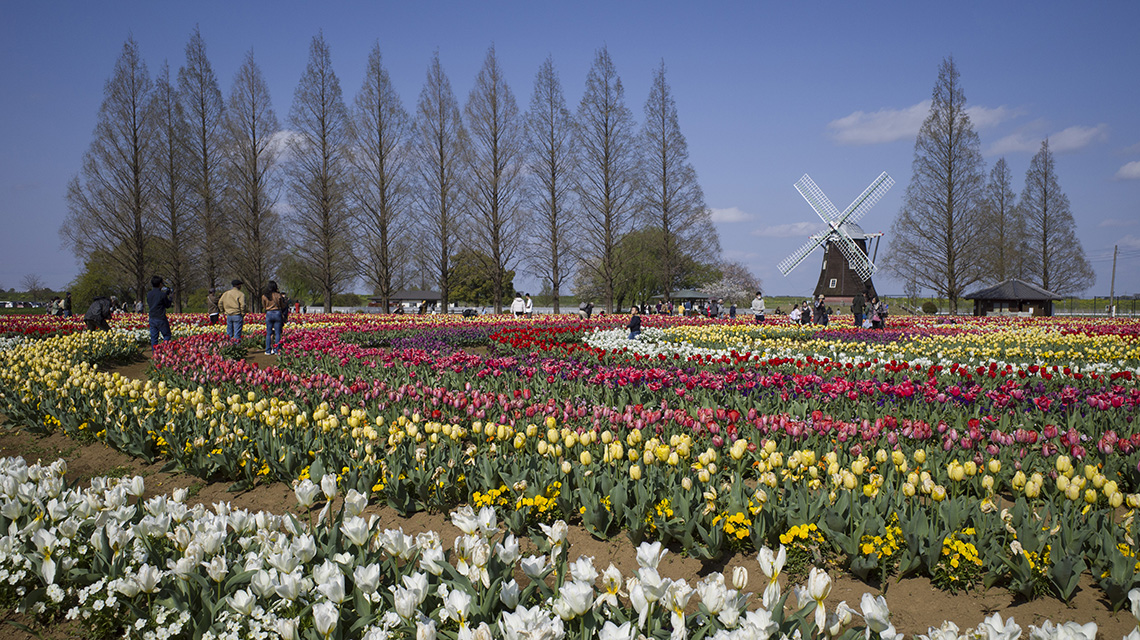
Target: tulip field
column 980, row 454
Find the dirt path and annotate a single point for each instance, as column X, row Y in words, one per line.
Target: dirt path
column 914, row 603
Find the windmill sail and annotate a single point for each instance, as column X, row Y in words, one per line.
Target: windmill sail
column 834, row 232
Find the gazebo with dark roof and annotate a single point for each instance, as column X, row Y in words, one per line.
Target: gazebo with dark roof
column 1013, row 296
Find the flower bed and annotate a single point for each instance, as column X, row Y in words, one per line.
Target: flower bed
column 1021, row 473
column 160, row 568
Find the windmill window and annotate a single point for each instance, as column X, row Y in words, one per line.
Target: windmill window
column 831, row 285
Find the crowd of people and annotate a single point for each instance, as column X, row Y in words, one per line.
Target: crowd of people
column 231, row 303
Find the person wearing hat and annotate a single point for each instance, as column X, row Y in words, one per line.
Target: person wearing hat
column 232, row 305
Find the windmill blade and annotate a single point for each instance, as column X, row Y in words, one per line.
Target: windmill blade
column 798, row 256
column 856, row 259
column 867, row 199
column 816, row 198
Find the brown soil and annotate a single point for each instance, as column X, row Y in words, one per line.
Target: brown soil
column 914, row 603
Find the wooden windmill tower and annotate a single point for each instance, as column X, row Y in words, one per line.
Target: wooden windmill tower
column 847, row 267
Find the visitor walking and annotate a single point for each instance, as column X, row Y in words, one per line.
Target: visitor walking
column 528, row 306
column 518, row 306
column 821, row 311
column 99, row 313
column 157, row 302
column 758, row 307
column 212, row 306
column 634, row 323
column 67, row 305
column 232, row 304
column 274, row 304
column 857, row 307
column 876, row 319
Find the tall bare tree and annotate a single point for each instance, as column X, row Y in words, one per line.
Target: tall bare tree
column 34, row 285
column 110, row 202
column 1054, row 251
column 382, row 189
column 205, row 112
column 607, row 176
column 936, row 237
column 495, row 188
column 672, row 197
column 553, row 160
column 1005, row 225
column 252, row 152
column 170, row 164
column 319, row 172
column 440, row 147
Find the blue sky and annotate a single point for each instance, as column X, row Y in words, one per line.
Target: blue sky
column 766, row 93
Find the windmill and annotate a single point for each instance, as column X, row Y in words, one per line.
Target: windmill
column 847, row 268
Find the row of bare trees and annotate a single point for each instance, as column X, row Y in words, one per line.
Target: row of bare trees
column 956, row 230
column 185, row 182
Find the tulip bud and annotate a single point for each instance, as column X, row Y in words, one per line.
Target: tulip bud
column 566, row 466
column 635, row 472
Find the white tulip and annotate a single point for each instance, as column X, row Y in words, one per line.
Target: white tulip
column 1065, row 631
column 877, row 616
column 574, row 599
column 530, row 624
column 241, row 602
column 425, row 629
column 148, row 578
column 818, row 587
column 713, row 592
column 534, row 566
column 508, row 550
column 509, row 594
column 306, row 493
column 325, row 617
column 367, row 578
column 333, row 588
column 649, row 554
column 216, row 568
column 432, row 560
column 611, row 631
column 1134, row 599
column 583, row 569
column 328, row 486
column 261, row 583
column 288, row 586
column 994, row 628
column 465, row 520
column 357, row 531
column 739, row 578
column 771, row 564
column 286, row 627
column 354, row 503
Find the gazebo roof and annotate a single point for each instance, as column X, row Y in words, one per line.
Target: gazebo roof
column 1014, row 289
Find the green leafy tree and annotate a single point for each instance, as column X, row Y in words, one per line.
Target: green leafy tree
column 468, row 279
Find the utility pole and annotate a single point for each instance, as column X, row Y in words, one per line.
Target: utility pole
column 1112, row 287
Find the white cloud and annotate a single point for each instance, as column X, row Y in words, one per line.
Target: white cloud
column 730, row 214
column 984, row 117
column 1029, row 139
column 1130, row 171
column 889, row 125
column 1077, row 137
column 1129, row 242
column 1117, row 222
column 790, row 230
column 879, row 127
